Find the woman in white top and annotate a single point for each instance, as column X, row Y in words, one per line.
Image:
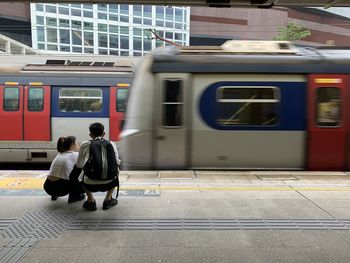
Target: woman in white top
column 63, row 175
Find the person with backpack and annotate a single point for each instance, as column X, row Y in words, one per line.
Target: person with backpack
column 63, row 174
column 100, row 162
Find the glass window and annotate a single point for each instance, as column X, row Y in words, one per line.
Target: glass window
column 124, row 30
column 147, row 21
column 178, row 15
column 50, row 9
column 169, row 13
column 102, row 40
column 80, row 100
column 328, row 106
column 65, row 48
column 76, row 5
column 52, row 47
column 137, row 43
column 88, row 26
column 64, row 36
column 122, row 99
column 169, row 35
column 41, row 34
column 113, row 29
column 76, row 24
column 113, row 41
column 137, row 31
column 102, row 16
column 39, row 7
column 89, row 14
column 88, row 38
column 147, row 44
column 40, row 20
column 147, row 11
column 11, row 99
column 51, row 21
column 172, row 103
column 137, row 10
column 159, row 43
column 247, row 106
column 52, row 35
column 64, row 22
column 113, row 8
column 124, row 9
column 103, row 51
column 160, row 23
column 113, row 17
column 124, row 19
column 114, row 52
column 137, row 54
column 76, row 12
column 160, row 12
column 63, row 11
column 88, row 6
column 124, row 53
column 77, row 50
column 89, row 50
column 102, row 7
column 76, row 37
column 35, row 99
column 102, row 27
column 124, row 42
column 178, row 26
column 137, row 20
column 41, row 46
column 178, row 36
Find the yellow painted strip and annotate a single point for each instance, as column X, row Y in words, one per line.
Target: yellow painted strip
column 22, row 183
column 328, row 81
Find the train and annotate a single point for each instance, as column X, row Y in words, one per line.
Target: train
column 255, row 105
column 44, row 97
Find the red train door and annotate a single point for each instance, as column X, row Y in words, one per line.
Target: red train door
column 37, row 113
column 326, row 122
column 11, row 112
column 117, row 107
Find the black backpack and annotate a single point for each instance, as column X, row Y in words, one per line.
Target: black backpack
column 102, row 164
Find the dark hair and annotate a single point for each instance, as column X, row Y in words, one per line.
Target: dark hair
column 96, row 129
column 64, row 143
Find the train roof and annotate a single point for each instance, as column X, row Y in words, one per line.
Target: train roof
column 259, row 57
column 67, row 64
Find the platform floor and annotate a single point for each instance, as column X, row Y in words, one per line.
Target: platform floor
column 182, row 216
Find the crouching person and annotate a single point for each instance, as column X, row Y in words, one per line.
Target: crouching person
column 99, row 160
column 63, row 175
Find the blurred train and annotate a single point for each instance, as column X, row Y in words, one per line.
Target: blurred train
column 44, row 97
column 242, row 105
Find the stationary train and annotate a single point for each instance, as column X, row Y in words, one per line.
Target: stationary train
column 242, row 105
column 44, row 97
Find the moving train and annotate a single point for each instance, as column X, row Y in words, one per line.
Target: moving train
column 243, row 105
column 43, row 97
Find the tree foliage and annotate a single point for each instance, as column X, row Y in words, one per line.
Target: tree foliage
column 292, row 32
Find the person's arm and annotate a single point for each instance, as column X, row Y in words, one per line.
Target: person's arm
column 116, row 153
column 83, row 151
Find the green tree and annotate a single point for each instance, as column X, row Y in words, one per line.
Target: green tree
column 292, row 32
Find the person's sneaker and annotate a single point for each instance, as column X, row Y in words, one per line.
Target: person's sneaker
column 108, row 204
column 90, row 206
column 54, row 198
column 76, row 197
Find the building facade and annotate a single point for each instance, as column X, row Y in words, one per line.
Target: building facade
column 108, row 29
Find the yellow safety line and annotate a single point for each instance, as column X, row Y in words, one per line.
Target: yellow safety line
column 21, row 183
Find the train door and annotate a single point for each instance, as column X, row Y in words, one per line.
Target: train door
column 171, row 121
column 117, row 107
column 326, row 122
column 11, row 112
column 37, row 113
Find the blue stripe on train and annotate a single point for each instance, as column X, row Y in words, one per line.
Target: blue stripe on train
column 292, row 112
column 55, row 111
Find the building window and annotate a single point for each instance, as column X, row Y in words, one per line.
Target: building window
column 76, row 37
column 113, row 41
column 11, row 99
column 254, row 106
column 80, row 100
column 40, row 20
column 52, row 35
column 102, row 40
column 64, row 36
column 63, row 11
column 40, row 34
column 328, row 106
column 50, row 9
column 51, row 21
column 89, row 39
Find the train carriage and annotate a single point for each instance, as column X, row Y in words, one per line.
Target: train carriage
column 45, row 97
column 243, row 105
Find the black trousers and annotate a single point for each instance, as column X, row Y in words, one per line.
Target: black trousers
column 63, row 187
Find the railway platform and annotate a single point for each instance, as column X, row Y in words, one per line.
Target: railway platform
column 182, row 216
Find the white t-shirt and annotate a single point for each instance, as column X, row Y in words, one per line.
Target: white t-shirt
column 63, row 164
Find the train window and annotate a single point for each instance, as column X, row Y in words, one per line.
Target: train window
column 247, row 106
column 11, row 99
column 35, row 99
column 328, row 106
column 80, row 100
column 172, row 103
column 122, row 99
